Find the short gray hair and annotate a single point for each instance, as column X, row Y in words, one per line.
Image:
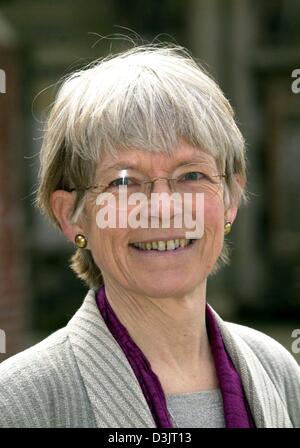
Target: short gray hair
column 145, row 98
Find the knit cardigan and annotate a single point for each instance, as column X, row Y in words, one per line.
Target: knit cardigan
column 79, row 377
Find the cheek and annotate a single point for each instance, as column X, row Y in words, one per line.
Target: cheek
column 102, row 241
column 108, row 246
column 214, row 216
column 99, row 238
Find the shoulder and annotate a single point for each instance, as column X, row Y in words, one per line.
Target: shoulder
column 263, row 345
column 277, row 361
column 37, row 353
column 31, row 381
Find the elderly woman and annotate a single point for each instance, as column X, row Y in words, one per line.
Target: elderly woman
column 145, row 349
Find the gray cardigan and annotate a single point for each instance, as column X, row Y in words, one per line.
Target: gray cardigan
column 80, row 377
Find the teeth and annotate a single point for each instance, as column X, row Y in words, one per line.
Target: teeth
column 170, row 245
column 182, row 243
column 162, row 245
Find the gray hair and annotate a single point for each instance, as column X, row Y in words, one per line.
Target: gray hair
column 145, row 98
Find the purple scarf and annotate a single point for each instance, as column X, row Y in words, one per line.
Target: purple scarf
column 236, row 409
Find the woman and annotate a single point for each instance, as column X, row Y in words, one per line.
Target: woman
column 145, row 349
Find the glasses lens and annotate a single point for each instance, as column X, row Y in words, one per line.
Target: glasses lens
column 125, row 181
column 197, row 178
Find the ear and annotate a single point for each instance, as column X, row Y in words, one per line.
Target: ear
column 62, row 205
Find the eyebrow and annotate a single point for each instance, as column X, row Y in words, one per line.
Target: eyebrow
column 121, row 166
column 195, row 160
column 132, row 165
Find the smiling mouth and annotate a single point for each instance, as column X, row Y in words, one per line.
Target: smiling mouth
column 163, row 246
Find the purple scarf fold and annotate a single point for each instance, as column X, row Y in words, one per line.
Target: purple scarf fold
column 236, row 409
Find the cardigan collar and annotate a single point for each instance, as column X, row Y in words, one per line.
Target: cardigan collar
column 236, row 410
column 88, row 334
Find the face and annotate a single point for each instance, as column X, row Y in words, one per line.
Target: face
column 152, row 272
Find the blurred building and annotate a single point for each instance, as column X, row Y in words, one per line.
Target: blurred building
column 253, row 47
column 13, row 291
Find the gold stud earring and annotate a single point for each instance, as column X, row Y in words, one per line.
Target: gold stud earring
column 227, row 228
column 80, row 241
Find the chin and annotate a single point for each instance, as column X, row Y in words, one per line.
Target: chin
column 168, row 284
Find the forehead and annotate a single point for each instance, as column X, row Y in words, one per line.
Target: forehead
column 141, row 159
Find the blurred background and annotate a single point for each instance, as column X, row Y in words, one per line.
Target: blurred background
column 251, row 48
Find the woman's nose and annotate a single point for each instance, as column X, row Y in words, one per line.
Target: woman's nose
column 163, row 205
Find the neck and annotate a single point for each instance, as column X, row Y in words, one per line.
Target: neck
column 170, row 331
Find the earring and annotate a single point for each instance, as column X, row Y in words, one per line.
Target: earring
column 80, row 241
column 227, row 227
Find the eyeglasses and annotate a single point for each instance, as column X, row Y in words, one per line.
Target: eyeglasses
column 188, row 178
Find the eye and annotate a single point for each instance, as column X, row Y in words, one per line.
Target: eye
column 191, row 176
column 122, row 181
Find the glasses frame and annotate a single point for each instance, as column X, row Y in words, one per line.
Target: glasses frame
column 171, row 183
